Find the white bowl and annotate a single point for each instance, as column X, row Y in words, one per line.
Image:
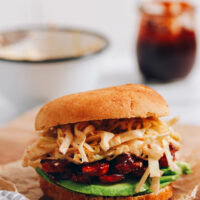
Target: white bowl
column 39, row 65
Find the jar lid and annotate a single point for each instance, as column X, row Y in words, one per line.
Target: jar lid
column 49, row 44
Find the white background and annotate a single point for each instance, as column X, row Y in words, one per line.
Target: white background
column 116, row 19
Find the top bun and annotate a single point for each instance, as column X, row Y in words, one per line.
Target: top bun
column 126, row 101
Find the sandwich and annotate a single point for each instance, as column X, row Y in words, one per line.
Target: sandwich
column 106, row 144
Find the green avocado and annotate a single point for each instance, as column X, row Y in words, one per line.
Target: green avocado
column 126, row 188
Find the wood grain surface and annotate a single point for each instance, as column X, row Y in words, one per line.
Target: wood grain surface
column 15, row 136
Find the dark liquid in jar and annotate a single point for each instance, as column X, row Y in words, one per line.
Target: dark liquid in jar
column 165, row 54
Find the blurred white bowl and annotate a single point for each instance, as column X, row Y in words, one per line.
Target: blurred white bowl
column 38, row 65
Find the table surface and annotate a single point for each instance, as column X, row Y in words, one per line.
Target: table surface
column 118, row 20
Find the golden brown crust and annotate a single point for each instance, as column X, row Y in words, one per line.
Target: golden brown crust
column 57, row 193
column 126, row 101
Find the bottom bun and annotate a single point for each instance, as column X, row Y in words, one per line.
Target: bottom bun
column 58, row 193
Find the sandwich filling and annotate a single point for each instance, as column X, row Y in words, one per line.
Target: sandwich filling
column 107, row 151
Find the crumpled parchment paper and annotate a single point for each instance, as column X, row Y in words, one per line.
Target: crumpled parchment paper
column 25, row 179
column 7, row 185
column 187, row 187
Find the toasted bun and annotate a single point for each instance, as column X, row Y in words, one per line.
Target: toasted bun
column 126, row 101
column 58, row 193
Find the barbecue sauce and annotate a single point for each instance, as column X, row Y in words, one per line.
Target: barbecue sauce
column 166, row 49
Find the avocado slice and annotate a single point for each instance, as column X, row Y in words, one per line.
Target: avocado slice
column 126, row 188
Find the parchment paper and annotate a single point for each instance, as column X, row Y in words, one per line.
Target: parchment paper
column 25, row 179
column 187, row 187
column 7, row 185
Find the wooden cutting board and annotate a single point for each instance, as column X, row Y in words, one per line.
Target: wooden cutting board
column 15, row 136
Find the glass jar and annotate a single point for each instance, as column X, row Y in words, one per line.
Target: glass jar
column 166, row 46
